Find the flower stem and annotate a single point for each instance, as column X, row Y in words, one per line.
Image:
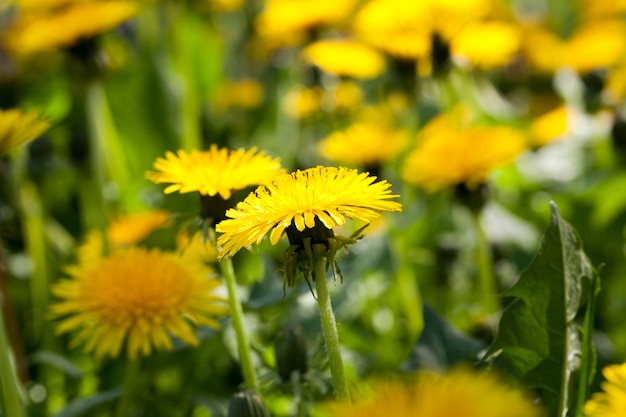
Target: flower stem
column 329, row 326
column 129, row 389
column 12, row 403
column 486, row 278
column 236, row 312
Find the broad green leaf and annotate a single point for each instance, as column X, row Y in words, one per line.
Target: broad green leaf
column 538, row 340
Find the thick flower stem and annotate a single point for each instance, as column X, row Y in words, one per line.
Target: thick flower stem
column 486, row 278
column 129, row 388
column 12, row 403
column 236, row 312
column 329, row 326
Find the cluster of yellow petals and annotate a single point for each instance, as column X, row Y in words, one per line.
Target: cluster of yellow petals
column 18, row 127
column 551, row 126
column 459, row 393
column 214, row 171
column 452, row 150
column 46, row 25
column 136, row 298
column 611, row 401
column 345, row 57
column 363, row 144
column 325, row 193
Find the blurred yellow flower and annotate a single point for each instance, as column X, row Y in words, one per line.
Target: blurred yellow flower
column 136, row 298
column 214, row 171
column 196, row 248
column 285, row 22
column 345, row 57
column 459, row 393
column 363, row 144
column 487, row 44
column 594, row 45
column 452, row 150
column 611, row 401
column 301, row 103
column 246, row 93
column 550, row 126
column 18, row 127
column 346, row 96
column 46, row 27
column 299, row 201
column 225, row 5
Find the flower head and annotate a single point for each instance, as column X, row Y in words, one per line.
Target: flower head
column 246, row 93
column 215, row 171
column 18, row 127
column 136, row 298
column 304, row 200
column 345, row 57
column 611, row 401
column 451, row 150
column 460, row 393
column 45, row 26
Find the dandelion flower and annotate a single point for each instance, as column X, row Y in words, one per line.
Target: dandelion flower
column 611, row 401
column 452, row 151
column 345, row 57
column 18, row 127
column 300, row 103
column 550, row 126
column 246, row 93
column 215, row 171
column 487, row 44
column 304, row 200
column 363, row 144
column 45, row 28
column 136, row 298
column 459, row 393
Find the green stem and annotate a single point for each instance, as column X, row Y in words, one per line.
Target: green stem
column 329, row 326
column 12, row 399
column 236, row 312
column 486, row 278
column 129, row 389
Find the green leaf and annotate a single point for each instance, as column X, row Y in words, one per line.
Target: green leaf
column 538, row 340
column 81, row 406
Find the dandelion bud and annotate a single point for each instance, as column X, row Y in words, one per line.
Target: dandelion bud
column 247, row 404
column 291, row 352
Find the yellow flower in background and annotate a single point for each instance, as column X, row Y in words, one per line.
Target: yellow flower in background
column 196, row 248
column 246, row 93
column 214, row 171
column 134, row 300
column 300, row 200
column 300, row 103
column 452, row 150
column 487, row 44
column 285, row 22
column 363, row 144
column 550, row 126
column 345, row 57
column 18, row 127
column 459, row 393
column 592, row 9
column 594, row 45
column 611, row 401
column 346, row 96
column 225, row 5
column 46, row 27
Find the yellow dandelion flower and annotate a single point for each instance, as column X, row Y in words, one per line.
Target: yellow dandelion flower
column 451, row 151
column 225, row 5
column 136, row 298
column 346, row 96
column 298, row 200
column 596, row 44
column 215, row 171
column 40, row 30
column 246, row 93
column 611, row 401
column 487, row 44
column 345, row 57
column 301, row 103
column 363, row 144
column 196, row 248
column 550, row 126
column 459, row 393
column 18, row 127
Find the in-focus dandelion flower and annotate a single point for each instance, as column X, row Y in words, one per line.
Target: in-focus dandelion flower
column 451, row 151
column 304, row 200
column 363, row 144
column 459, row 393
column 18, row 127
column 45, row 28
column 611, row 401
column 345, row 57
column 134, row 300
column 217, row 171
